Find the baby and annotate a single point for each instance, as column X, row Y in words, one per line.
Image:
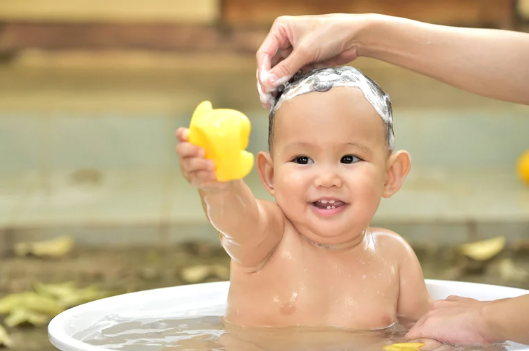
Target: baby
column 311, row 258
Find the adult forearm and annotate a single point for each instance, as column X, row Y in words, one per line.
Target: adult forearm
column 488, row 62
column 508, row 319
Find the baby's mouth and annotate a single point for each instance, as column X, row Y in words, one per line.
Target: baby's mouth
column 328, row 204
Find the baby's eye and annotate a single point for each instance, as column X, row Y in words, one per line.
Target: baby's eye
column 302, row 160
column 349, row 159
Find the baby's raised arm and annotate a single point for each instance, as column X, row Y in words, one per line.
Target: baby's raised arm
column 249, row 229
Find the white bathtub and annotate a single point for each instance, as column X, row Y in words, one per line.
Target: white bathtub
column 182, row 299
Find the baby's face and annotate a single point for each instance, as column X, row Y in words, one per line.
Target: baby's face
column 329, row 157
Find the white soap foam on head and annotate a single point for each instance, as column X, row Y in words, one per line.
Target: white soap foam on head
column 324, row 79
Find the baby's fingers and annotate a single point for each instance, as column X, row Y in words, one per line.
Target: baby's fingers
column 182, row 134
column 194, row 164
column 199, row 178
column 184, row 150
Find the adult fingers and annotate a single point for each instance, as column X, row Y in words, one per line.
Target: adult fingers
column 276, row 39
column 439, row 304
column 416, row 332
column 343, row 58
column 281, row 55
column 455, row 298
column 284, row 70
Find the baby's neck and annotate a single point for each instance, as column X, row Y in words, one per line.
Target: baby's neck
column 363, row 240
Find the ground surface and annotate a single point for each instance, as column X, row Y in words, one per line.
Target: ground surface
column 139, row 269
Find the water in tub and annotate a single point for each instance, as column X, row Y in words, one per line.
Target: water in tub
column 206, row 330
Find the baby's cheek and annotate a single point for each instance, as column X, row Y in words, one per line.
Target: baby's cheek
column 367, row 190
column 291, row 192
column 291, row 183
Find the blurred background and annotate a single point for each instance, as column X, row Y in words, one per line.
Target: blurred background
column 92, row 202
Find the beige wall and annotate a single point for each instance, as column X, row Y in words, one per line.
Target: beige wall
column 170, row 11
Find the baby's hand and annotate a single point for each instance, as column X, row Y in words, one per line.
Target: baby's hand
column 198, row 171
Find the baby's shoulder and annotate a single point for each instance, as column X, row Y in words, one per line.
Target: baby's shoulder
column 391, row 243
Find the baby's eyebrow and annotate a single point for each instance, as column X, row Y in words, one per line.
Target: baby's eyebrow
column 300, row 143
column 360, row 146
column 311, row 145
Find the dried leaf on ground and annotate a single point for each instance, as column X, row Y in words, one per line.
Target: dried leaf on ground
column 37, row 308
column 197, row 274
column 30, row 301
column 23, row 316
column 57, row 247
column 153, row 257
column 5, row 340
column 149, row 273
column 483, row 250
column 452, row 273
column 508, row 270
column 201, row 249
column 56, row 291
column 68, row 295
column 80, row 296
column 523, row 245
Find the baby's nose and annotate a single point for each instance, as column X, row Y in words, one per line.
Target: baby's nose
column 328, row 179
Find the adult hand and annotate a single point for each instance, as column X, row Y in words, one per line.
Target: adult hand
column 456, row 320
column 492, row 63
column 305, row 42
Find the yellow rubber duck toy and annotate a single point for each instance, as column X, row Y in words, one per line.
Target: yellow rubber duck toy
column 405, row 346
column 523, row 167
column 224, row 135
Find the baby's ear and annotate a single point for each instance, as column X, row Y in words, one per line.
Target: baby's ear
column 398, row 167
column 266, row 171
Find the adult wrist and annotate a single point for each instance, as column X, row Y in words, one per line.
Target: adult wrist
column 367, row 37
column 491, row 330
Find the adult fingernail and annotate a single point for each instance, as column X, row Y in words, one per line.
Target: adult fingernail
column 272, row 79
column 282, row 81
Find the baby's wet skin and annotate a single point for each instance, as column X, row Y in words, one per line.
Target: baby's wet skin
column 310, row 258
column 306, row 283
column 329, row 173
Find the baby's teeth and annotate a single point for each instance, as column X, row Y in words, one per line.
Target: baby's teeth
column 323, row 201
column 328, row 207
column 333, row 206
column 331, row 201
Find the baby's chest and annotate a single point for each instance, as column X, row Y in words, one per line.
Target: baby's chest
column 338, row 287
column 345, row 287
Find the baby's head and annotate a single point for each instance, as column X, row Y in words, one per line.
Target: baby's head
column 331, row 156
column 324, row 79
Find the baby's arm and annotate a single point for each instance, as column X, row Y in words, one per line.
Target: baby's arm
column 249, row 229
column 414, row 299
